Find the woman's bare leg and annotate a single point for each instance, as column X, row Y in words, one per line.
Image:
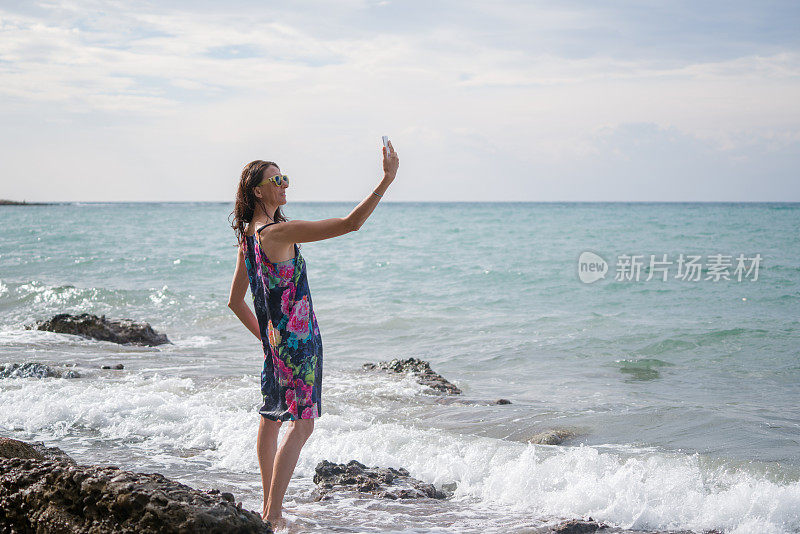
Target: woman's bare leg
column 285, row 462
column 267, row 446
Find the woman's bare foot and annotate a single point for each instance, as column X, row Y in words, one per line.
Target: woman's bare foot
column 277, row 522
column 267, row 516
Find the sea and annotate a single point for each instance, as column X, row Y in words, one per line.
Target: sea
column 662, row 338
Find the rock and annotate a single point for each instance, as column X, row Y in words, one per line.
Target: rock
column 577, row 526
column 122, row 331
column 12, row 448
column 584, row 526
column 35, row 370
column 54, row 495
column 461, row 401
column 118, row 366
column 422, row 372
column 552, row 437
column 385, row 482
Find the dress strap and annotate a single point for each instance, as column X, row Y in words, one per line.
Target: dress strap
column 259, row 230
column 296, row 246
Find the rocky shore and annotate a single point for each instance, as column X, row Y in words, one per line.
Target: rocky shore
column 43, row 490
column 391, row 483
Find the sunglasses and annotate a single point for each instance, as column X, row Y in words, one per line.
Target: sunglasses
column 278, row 179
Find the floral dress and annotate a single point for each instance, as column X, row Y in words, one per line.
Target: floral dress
column 291, row 379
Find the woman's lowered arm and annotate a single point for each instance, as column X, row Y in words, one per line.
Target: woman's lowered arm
column 238, row 291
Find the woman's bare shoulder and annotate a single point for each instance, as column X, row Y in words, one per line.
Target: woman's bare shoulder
column 271, row 243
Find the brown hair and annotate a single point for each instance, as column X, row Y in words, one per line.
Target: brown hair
column 246, row 200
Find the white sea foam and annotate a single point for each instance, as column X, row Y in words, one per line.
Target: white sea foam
column 57, row 295
column 161, row 296
column 195, row 342
column 216, row 422
column 39, row 338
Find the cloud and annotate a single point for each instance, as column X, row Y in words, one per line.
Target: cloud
column 525, row 91
column 643, row 161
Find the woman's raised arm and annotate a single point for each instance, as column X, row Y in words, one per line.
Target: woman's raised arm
column 305, row 231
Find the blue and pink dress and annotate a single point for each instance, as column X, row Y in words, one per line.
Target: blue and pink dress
column 291, row 379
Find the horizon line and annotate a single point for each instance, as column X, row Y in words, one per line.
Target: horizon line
column 68, row 202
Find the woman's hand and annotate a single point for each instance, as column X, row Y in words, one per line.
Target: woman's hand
column 390, row 163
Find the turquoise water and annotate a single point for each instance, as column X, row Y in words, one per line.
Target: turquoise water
column 683, row 395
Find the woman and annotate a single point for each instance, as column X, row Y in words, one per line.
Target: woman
column 270, row 263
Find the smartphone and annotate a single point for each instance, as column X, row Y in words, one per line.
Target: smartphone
column 386, row 143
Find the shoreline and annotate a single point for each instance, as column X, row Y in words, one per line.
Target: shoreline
column 137, row 488
column 44, row 489
column 7, row 202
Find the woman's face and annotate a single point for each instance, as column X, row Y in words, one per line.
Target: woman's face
column 274, row 195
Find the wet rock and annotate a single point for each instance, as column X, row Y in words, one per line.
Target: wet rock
column 54, row 495
column 555, row 436
column 225, row 495
column 122, row 331
column 35, row 370
column 385, row 482
column 421, row 370
column 12, row 448
column 117, row 366
column 577, row 526
column 583, row 526
column 461, row 401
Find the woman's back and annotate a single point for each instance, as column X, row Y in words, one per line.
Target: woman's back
column 291, row 378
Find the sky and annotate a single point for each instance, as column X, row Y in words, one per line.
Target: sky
column 483, row 100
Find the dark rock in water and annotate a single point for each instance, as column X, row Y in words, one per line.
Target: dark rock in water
column 585, row 526
column 52, row 495
column 118, row 366
column 12, row 448
column 422, row 372
column 555, row 436
column 384, row 482
column 577, row 526
column 461, row 401
column 36, row 370
column 121, row 331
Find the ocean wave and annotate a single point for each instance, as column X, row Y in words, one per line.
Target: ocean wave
column 214, row 422
column 27, row 302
